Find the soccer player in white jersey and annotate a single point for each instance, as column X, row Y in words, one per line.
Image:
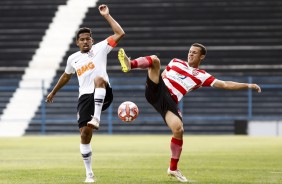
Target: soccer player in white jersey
column 95, row 92
column 165, row 90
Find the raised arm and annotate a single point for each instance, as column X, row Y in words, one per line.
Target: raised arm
column 230, row 85
column 61, row 82
column 118, row 31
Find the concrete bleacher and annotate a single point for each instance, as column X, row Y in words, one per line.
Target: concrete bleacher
column 22, row 26
column 235, row 33
column 243, row 38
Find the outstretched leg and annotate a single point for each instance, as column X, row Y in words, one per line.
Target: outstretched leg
column 152, row 63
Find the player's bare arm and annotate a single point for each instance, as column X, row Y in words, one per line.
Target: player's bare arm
column 61, row 82
column 118, row 31
column 230, row 85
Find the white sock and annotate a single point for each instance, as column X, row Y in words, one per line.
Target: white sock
column 99, row 96
column 86, row 152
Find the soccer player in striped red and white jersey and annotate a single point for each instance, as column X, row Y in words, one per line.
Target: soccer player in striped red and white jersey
column 165, row 90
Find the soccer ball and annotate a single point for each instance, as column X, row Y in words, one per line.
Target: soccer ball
column 128, row 111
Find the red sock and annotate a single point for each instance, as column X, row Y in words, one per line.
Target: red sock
column 142, row 62
column 176, row 148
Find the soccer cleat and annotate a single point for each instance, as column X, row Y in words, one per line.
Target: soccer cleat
column 89, row 178
column 94, row 123
column 177, row 174
column 124, row 61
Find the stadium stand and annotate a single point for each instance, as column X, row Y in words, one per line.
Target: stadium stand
column 22, row 26
column 244, row 38
column 43, row 66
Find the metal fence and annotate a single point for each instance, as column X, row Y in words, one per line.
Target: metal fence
column 271, row 89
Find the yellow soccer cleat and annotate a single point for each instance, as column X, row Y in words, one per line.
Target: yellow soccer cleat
column 124, row 61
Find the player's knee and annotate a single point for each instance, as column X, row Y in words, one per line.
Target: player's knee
column 99, row 82
column 155, row 61
column 179, row 130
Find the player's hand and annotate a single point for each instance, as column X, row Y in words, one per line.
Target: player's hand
column 104, row 10
column 255, row 87
column 50, row 98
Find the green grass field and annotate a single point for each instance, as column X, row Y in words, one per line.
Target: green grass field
column 122, row 159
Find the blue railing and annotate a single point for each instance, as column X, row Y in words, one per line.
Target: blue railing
column 268, row 85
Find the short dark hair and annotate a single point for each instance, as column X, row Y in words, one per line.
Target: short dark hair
column 203, row 48
column 83, row 30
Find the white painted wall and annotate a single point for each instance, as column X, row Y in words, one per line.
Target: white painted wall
column 265, row 128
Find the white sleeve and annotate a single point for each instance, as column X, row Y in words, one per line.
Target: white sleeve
column 69, row 69
column 103, row 45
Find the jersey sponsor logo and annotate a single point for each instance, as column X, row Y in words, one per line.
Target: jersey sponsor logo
column 85, row 68
column 182, row 77
column 179, row 83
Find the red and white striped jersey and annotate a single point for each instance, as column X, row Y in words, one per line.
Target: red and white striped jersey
column 180, row 78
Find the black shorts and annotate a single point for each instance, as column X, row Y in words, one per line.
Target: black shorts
column 85, row 106
column 159, row 97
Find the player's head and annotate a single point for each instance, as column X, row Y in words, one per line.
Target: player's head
column 196, row 54
column 84, row 39
column 83, row 30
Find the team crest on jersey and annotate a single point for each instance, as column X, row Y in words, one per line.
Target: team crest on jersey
column 90, row 53
column 195, row 72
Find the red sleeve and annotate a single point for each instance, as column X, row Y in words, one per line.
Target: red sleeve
column 111, row 41
column 167, row 68
column 208, row 81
